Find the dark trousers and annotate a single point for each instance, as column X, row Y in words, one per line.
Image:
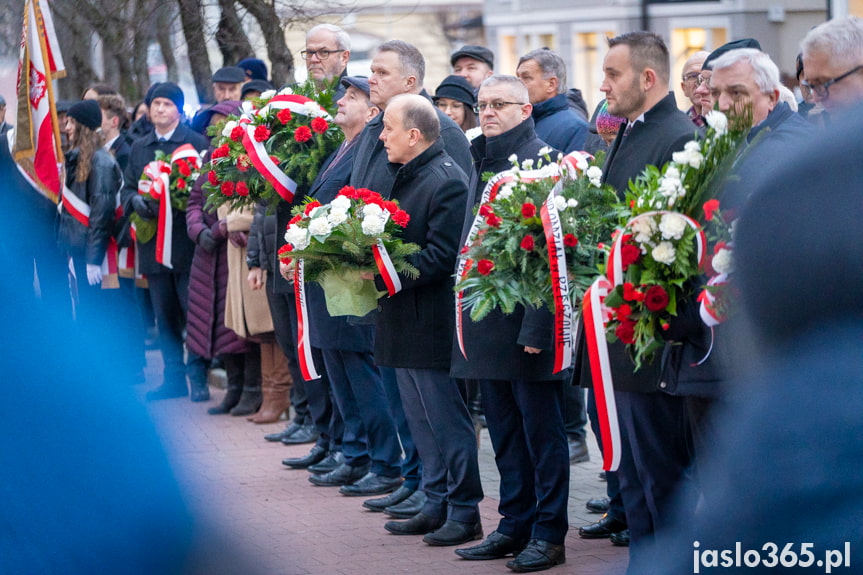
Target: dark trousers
column 369, row 430
column 411, row 463
column 654, row 469
column 612, row 485
column 279, row 306
column 442, row 430
column 574, row 412
column 169, row 293
column 525, row 423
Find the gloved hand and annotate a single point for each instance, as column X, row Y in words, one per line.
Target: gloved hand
column 145, row 209
column 207, row 241
column 94, row 274
column 238, row 239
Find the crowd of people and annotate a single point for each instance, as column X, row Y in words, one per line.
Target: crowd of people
column 395, row 413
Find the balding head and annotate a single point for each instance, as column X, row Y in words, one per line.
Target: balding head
column 689, row 75
column 411, row 125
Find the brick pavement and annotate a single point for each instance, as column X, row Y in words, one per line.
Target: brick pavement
column 294, row 528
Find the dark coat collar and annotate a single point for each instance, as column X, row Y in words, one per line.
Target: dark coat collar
column 550, row 106
column 504, row 145
column 409, row 170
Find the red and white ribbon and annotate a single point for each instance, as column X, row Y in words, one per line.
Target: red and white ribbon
column 77, row 208
column 707, row 310
column 304, row 346
column 595, row 316
column 563, row 332
column 386, row 268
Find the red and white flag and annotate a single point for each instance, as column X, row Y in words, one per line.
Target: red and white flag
column 36, row 144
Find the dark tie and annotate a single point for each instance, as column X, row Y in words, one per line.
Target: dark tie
column 628, row 129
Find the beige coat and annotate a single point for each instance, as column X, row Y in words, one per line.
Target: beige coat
column 246, row 311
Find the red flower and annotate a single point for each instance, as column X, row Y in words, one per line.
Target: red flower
column 262, row 134
column 275, row 160
column 348, row 192
column 484, row 267
column 625, row 332
column 284, row 116
column 486, row 210
column 183, row 167
column 710, row 207
column 244, row 163
column 303, row 134
column 237, row 133
column 213, row 178
column 228, row 188
column 493, row 221
column 165, row 168
column 221, row 152
column 390, row 206
column 296, row 219
column 528, row 210
column 181, row 184
column 719, row 246
column 631, row 294
column 527, row 243
column 629, row 254
column 570, row 241
column 242, row 189
column 401, row 218
column 284, row 251
column 310, row 206
column 631, row 204
column 320, row 125
column 622, row 313
column 656, row 298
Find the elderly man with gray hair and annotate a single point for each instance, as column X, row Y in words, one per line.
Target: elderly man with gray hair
column 833, row 63
column 544, row 73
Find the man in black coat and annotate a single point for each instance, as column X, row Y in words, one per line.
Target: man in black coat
column 415, row 325
column 511, row 357
column 654, row 451
column 169, row 287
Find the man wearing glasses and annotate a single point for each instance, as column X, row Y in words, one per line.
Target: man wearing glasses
column 327, row 52
column 510, row 355
column 833, row 63
column 689, row 82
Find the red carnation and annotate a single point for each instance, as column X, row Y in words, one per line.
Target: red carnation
column 284, row 116
column 632, row 294
column 221, row 152
column 262, row 133
column 228, row 188
column 622, row 312
column 401, row 218
column 484, row 267
column 629, row 254
column 486, row 210
column 390, row 206
column 165, row 168
column 284, row 251
column 494, row 221
column 275, row 160
column 348, row 192
column 181, row 184
column 296, row 219
column 625, row 332
column 303, row 134
column 320, row 125
column 528, row 210
column 570, row 241
column 243, row 163
column 242, row 189
column 183, row 167
column 719, row 247
column 656, row 298
column 527, row 243
column 237, row 133
column 710, row 207
column 213, row 178
column 310, row 206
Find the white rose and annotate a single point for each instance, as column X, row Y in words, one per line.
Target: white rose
column 340, row 203
column 320, row 227
column 229, row 127
column 643, row 229
column 297, row 237
column 372, row 211
column 717, row 120
column 560, row 203
column 672, row 226
column 571, row 203
column 373, row 226
column 336, row 217
column 594, row 173
column 723, row 261
column 664, row 253
column 268, row 95
column 692, row 146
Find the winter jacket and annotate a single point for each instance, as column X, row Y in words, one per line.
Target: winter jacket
column 558, row 125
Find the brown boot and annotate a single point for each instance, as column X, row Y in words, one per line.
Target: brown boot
column 276, row 382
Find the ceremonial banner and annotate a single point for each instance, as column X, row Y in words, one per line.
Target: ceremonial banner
column 36, row 145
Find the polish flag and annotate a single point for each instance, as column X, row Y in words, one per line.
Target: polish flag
column 36, row 143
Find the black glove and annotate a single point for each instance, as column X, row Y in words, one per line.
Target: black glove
column 143, row 208
column 207, row 241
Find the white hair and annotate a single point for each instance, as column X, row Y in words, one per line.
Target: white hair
column 764, row 69
column 840, row 38
column 343, row 39
column 787, row 96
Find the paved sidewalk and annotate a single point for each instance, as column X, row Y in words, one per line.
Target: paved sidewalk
column 292, row 527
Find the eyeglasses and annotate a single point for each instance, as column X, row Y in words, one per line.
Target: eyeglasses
column 322, row 54
column 699, row 80
column 692, row 76
column 823, row 90
column 495, row 106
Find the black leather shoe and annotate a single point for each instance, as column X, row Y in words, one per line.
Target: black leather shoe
column 371, row 484
column 200, row 393
column 306, row 434
column 419, row 524
column 539, row 555
column 602, row 528
column 409, row 507
column 454, row 533
column 344, row 474
column 291, row 429
column 314, row 456
column 598, row 505
column 394, row 498
column 328, row 463
column 620, row 539
column 495, row 546
column 578, row 451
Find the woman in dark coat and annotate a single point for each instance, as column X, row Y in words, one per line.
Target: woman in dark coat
column 207, row 336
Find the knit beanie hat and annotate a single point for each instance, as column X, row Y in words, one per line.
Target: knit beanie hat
column 87, row 113
column 171, row 91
